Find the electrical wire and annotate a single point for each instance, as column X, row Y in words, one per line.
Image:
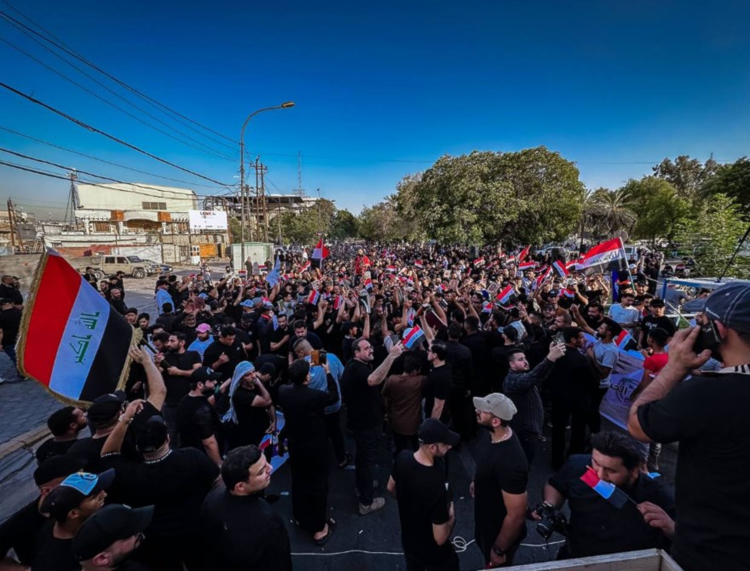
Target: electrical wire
column 93, row 158
column 139, row 185
column 62, row 46
column 200, row 146
column 107, row 135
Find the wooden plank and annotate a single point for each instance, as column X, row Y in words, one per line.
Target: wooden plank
column 668, row 564
column 646, row 560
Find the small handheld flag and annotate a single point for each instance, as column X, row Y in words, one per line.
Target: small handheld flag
column 625, row 341
column 320, row 253
column 607, row 490
column 313, row 298
column 504, row 296
column 368, row 284
column 559, row 267
column 305, row 266
column 418, row 264
column 526, row 266
column 487, row 307
column 524, row 253
column 479, row 262
column 412, row 336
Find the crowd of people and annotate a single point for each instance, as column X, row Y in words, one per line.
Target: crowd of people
column 416, row 351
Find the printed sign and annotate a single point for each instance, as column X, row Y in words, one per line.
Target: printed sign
column 208, row 220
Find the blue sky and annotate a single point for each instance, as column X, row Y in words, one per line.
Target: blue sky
column 381, row 89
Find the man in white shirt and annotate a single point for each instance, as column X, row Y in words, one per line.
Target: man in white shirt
column 625, row 314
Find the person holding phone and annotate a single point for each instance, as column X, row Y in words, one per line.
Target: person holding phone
column 707, row 414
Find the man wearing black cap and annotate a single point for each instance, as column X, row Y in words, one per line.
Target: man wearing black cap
column 500, row 482
column 10, row 323
column 198, row 423
column 174, row 481
column 424, row 503
column 69, row 505
column 110, row 536
column 19, row 531
column 656, row 319
column 708, row 415
column 244, row 531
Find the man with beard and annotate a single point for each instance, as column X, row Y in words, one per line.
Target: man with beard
column 64, row 424
column 178, row 365
column 110, row 536
column 116, row 300
column 198, row 424
column 500, row 482
column 424, row 505
column 306, row 432
column 224, row 354
column 251, row 413
column 522, row 386
column 280, row 338
column 203, row 339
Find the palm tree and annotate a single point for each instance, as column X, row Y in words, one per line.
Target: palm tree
column 612, row 209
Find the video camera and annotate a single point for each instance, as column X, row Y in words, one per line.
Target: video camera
column 551, row 520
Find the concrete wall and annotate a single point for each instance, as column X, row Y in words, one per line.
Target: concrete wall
column 22, row 266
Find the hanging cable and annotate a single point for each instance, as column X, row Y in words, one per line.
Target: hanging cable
column 107, row 135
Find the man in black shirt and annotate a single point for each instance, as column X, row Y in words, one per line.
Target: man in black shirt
column 360, row 386
column 19, row 531
column 69, row 505
column 232, row 543
column 110, row 536
column 570, row 385
column 177, row 365
column 708, row 416
column 462, row 379
column 500, row 482
column 656, row 319
column 64, row 424
column 280, row 338
column 424, row 505
column 596, row 526
column 438, row 384
column 9, row 290
column 198, row 424
column 116, row 300
column 224, row 354
column 175, row 482
column 10, row 323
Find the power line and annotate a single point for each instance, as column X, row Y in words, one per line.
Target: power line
column 102, row 160
column 61, row 45
column 38, row 160
column 104, row 134
column 200, row 146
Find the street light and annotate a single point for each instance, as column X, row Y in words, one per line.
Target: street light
column 243, row 189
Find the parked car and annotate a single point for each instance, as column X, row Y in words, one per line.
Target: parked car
column 160, row 267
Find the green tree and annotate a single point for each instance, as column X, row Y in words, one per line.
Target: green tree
column 660, row 210
column 687, row 175
column 485, row 197
column 613, row 210
column 344, row 225
column 713, row 236
column 733, row 180
column 382, row 222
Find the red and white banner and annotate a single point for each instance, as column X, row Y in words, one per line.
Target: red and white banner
column 72, row 341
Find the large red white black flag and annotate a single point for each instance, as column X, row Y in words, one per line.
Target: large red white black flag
column 72, row 341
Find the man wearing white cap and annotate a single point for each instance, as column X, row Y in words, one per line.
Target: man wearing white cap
column 500, row 482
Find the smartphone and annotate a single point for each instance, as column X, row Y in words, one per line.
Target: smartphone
column 315, row 357
column 708, row 338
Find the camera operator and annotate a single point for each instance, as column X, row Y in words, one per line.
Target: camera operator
column 708, row 416
column 596, row 526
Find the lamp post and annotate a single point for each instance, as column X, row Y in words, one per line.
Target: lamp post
column 243, row 189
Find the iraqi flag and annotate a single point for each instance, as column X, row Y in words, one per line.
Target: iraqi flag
column 368, row 284
column 541, row 278
column 526, row 266
column 504, row 296
column 313, row 298
column 569, row 293
column 478, row 263
column 487, row 307
column 625, row 341
column 72, row 341
column 606, row 490
column 607, row 256
column 412, row 336
column 418, row 264
column 319, row 254
column 559, row 267
column 305, row 266
column 524, row 253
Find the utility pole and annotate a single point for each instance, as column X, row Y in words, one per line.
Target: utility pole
column 73, row 202
column 263, row 169
column 257, row 198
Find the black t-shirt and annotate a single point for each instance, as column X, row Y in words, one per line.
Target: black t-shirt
column 277, row 336
column 178, row 387
column 19, row 532
column 438, row 386
column 712, row 488
column 235, row 352
column 51, row 553
column 252, row 421
column 422, row 502
column 11, row 292
column 50, row 448
column 597, row 527
column 501, row 467
column 175, row 485
column 10, row 323
column 363, row 403
column 649, row 323
column 196, row 421
column 243, row 532
column 572, row 380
